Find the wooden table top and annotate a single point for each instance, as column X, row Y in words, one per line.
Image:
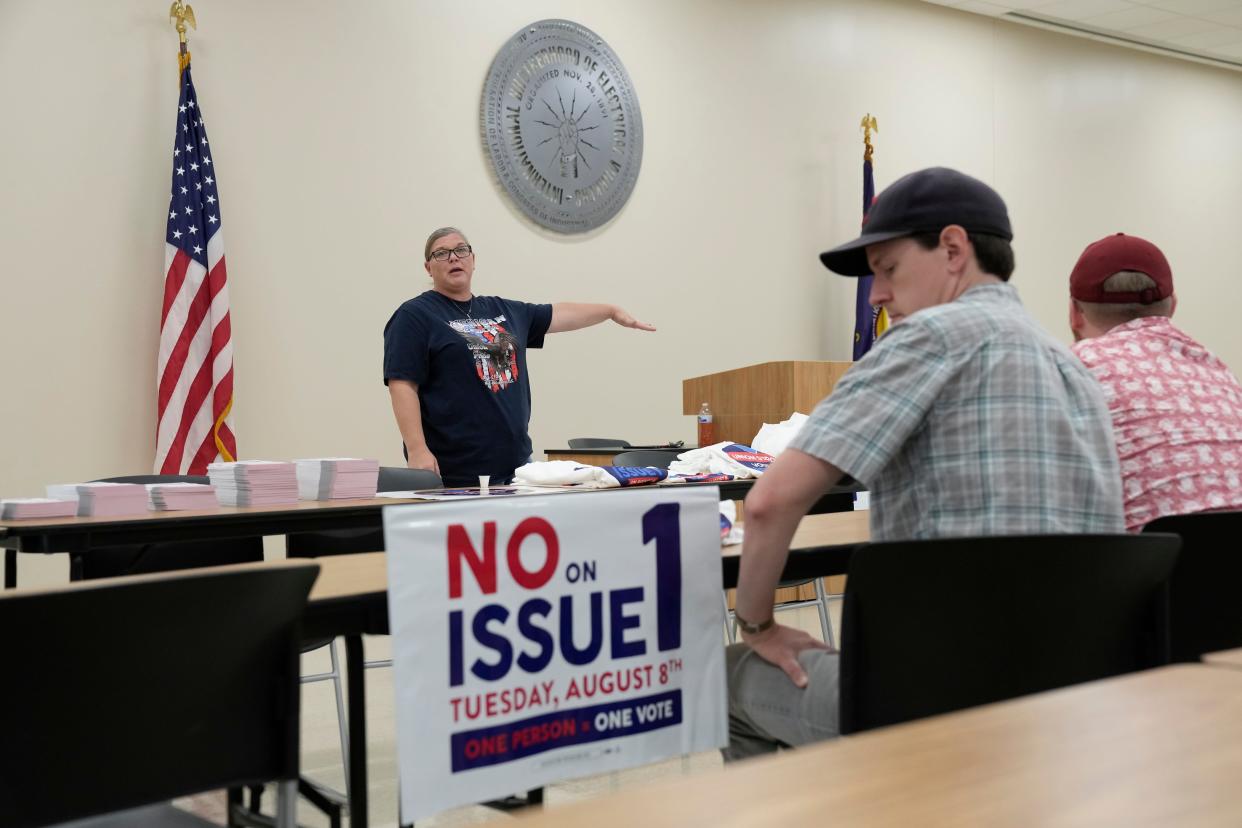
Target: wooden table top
column 832, row 529
column 1163, row 747
column 609, row 451
column 31, row 525
column 342, row 576
column 1225, row 658
column 215, row 511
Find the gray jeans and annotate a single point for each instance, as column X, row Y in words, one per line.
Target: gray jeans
column 768, row 712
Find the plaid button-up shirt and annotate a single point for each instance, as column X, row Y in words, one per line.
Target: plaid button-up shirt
column 968, row 418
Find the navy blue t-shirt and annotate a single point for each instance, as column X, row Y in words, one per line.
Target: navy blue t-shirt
column 470, row 369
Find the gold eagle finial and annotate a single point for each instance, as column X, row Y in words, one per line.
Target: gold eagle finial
column 868, row 126
column 181, row 13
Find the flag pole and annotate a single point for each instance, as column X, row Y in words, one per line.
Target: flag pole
column 179, row 14
column 879, row 318
column 869, row 322
column 194, row 369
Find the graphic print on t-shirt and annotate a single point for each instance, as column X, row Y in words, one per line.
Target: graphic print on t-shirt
column 494, row 350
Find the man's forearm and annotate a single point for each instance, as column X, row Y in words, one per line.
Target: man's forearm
column 776, row 504
column 764, row 552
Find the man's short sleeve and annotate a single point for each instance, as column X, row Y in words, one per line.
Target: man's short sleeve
column 540, row 320
column 880, row 402
column 406, row 348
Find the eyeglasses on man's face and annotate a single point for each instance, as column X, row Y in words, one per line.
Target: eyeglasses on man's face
column 461, row 251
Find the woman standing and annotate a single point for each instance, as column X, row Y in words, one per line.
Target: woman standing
column 455, row 366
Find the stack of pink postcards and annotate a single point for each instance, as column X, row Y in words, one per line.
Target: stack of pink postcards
column 333, row 478
column 175, row 497
column 24, row 508
column 254, row 482
column 111, row 499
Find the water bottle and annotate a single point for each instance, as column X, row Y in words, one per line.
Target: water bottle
column 707, row 430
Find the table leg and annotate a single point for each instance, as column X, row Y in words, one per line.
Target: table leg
column 355, row 667
column 10, row 569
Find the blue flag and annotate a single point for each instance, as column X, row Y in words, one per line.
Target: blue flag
column 869, row 322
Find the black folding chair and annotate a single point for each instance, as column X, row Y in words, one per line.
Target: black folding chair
column 172, row 556
column 1205, row 592
column 597, row 442
column 352, row 541
column 113, row 711
column 939, row 625
column 348, row 542
column 658, row 458
column 357, row 541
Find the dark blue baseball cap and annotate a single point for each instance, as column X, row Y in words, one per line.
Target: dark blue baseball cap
column 926, row 201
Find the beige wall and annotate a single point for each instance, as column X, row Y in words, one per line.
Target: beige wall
column 343, row 132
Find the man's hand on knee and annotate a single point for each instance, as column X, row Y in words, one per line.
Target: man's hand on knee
column 781, row 645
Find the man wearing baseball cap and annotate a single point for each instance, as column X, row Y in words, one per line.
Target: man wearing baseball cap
column 1176, row 408
column 966, row 418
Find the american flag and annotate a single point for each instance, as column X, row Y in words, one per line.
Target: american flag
column 195, row 370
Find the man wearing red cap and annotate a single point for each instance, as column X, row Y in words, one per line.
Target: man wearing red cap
column 1176, row 408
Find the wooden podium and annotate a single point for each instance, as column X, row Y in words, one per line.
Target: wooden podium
column 744, row 399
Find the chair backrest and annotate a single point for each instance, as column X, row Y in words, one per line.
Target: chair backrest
column 660, row 458
column 157, row 478
column 353, row 541
column 934, row 626
column 596, row 442
column 138, row 690
column 1205, row 592
column 401, row 479
column 141, row 558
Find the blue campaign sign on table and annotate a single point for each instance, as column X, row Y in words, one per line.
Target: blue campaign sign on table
column 544, row 638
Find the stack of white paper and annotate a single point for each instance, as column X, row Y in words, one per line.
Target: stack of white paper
column 106, row 499
column 254, row 482
column 169, row 497
column 19, row 508
column 330, row 478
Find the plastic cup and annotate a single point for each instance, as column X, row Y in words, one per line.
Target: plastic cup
column 484, row 479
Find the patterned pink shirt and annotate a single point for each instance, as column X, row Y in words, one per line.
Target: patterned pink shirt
column 1177, row 416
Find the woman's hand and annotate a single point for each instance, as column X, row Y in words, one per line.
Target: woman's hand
column 423, row 459
column 626, row 321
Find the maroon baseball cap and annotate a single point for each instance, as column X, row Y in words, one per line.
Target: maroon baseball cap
column 1113, row 254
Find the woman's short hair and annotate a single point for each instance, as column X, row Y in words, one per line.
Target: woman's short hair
column 436, row 235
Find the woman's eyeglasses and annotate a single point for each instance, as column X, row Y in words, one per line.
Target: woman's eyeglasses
column 461, row 251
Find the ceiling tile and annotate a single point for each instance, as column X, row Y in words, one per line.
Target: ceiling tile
column 1230, row 16
column 1177, row 27
column 1079, row 9
column 981, row 7
column 1232, row 51
column 1190, row 7
column 1210, row 39
column 1209, row 29
column 1129, row 18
